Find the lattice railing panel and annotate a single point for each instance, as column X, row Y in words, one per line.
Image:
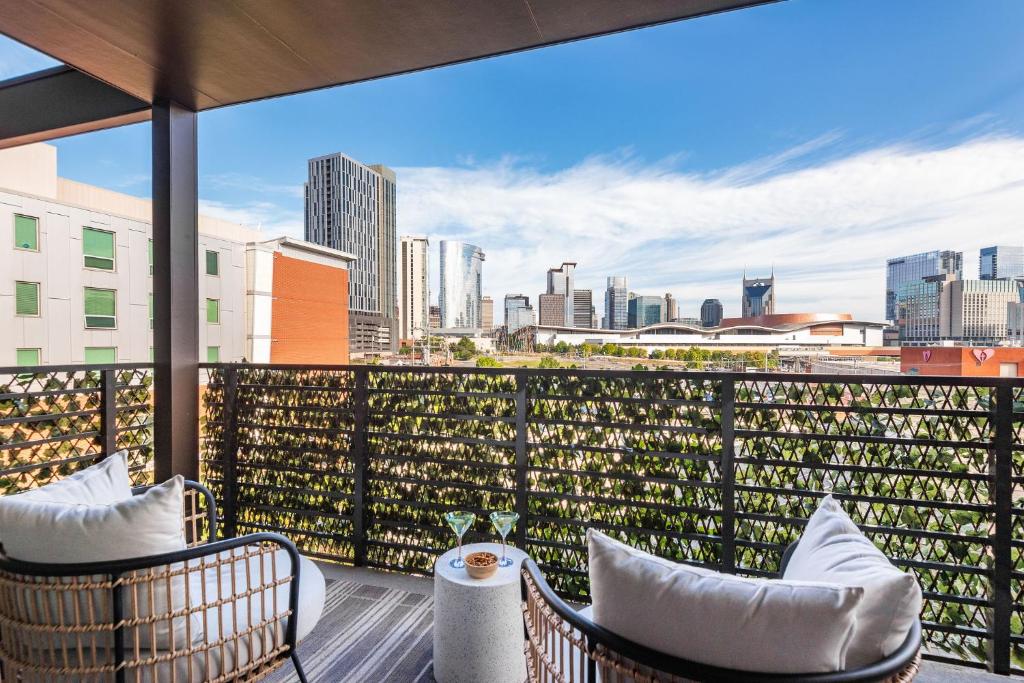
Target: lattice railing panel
column 910, row 462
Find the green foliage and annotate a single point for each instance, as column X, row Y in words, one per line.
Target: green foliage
column 549, row 362
column 464, row 349
column 487, row 362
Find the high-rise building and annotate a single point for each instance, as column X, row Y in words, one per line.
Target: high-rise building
column 975, row 311
column 551, row 308
column 583, row 308
column 671, row 308
column 561, row 281
column 758, row 296
column 711, row 313
column 413, row 287
column 918, row 309
column 903, row 269
column 1001, row 263
column 616, row 304
column 351, row 207
column 518, row 312
column 642, row 311
column 435, row 317
column 461, row 284
column 487, row 314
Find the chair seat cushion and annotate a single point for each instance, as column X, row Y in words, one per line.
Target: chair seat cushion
column 757, row 625
column 833, row 549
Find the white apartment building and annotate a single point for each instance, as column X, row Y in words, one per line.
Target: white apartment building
column 76, row 271
column 413, row 288
column 975, row 311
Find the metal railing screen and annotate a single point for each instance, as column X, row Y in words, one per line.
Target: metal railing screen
column 57, row 420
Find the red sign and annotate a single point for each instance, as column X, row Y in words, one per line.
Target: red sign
column 982, row 355
column 927, row 354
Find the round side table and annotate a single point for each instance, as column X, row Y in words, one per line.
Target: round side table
column 478, row 626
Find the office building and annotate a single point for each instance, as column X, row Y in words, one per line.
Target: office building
column 350, row 207
column 671, row 308
column 76, row 281
column 583, row 313
column 758, row 296
column 561, row 281
column 904, row 269
column 435, row 317
column 642, row 311
column 487, row 314
column 711, row 313
column 518, row 312
column 1001, row 263
column 551, row 310
column 461, row 285
column 413, row 286
column 918, row 309
column 616, row 304
column 975, row 311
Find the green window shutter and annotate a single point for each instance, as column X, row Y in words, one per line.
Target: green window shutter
column 212, row 354
column 27, row 357
column 26, row 232
column 100, row 355
column 213, row 310
column 26, row 298
column 212, row 263
column 100, row 308
column 98, row 247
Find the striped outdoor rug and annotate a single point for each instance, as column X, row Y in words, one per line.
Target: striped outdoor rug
column 368, row 634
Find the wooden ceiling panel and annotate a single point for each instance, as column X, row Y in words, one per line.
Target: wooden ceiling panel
column 210, row 53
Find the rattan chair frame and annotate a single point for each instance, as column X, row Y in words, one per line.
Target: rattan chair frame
column 553, row 628
column 116, row 576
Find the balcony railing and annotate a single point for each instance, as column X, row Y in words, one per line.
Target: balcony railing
column 357, row 463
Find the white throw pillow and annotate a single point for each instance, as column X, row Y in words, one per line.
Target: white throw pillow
column 103, row 483
column 36, row 529
column 757, row 625
column 833, row 549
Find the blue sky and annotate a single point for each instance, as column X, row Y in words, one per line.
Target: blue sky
column 818, row 136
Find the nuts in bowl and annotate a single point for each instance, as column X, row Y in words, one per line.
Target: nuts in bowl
column 481, row 565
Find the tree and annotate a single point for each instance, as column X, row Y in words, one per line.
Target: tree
column 561, row 347
column 487, row 362
column 464, row 349
column 657, row 354
column 405, row 350
column 549, row 362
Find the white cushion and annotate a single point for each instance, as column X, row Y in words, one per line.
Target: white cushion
column 103, row 483
column 833, row 549
column 49, row 525
column 757, row 625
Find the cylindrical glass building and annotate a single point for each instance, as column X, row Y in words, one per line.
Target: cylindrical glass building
column 461, row 284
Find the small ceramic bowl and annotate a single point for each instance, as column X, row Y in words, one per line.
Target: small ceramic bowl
column 481, row 565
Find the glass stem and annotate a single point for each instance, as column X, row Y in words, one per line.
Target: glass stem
column 503, row 549
column 460, row 547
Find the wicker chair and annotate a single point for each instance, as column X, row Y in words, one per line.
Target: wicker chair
column 213, row 612
column 564, row 646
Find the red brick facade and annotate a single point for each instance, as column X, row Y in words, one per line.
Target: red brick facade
column 963, row 361
column 309, row 318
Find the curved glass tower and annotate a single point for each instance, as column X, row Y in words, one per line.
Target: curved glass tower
column 461, row 285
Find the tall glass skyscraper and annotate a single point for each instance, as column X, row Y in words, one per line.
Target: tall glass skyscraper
column 616, row 304
column 461, row 284
column 904, row 269
column 1001, row 263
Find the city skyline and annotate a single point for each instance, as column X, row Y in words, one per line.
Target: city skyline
column 739, row 162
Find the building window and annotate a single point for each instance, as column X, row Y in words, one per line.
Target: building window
column 212, row 262
column 150, row 257
column 26, row 232
column 28, row 357
column 150, row 310
column 100, row 308
column 26, row 298
column 213, row 311
column 98, row 248
column 212, row 354
column 100, row 355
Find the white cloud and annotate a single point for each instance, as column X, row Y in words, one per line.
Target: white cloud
column 270, row 218
column 826, row 223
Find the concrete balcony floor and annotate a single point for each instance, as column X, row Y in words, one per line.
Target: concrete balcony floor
column 931, row 672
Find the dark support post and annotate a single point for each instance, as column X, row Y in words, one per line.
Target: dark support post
column 108, row 410
column 728, row 413
column 175, row 291
column 361, row 409
column 522, row 503
column 230, row 452
column 1001, row 469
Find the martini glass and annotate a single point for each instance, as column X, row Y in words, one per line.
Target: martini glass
column 459, row 521
column 503, row 521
